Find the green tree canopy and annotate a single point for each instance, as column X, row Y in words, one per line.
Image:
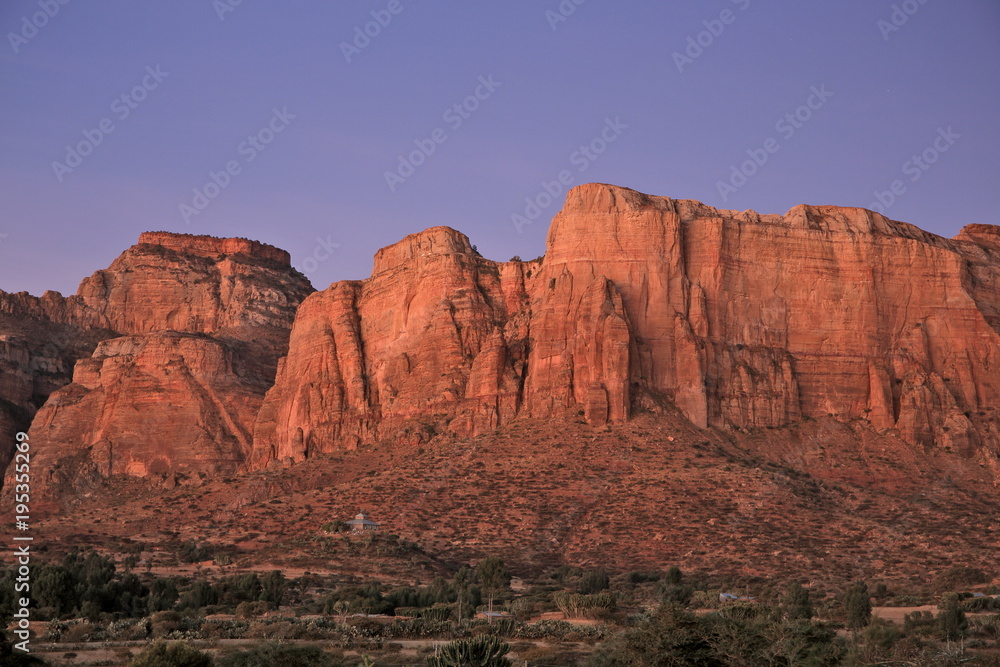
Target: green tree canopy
column 493, row 578
column 858, row 606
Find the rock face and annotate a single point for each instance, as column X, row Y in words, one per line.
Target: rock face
column 434, row 333
column 37, row 354
column 741, row 320
column 185, row 333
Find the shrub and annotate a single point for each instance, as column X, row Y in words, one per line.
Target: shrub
column 163, row 623
column 959, row 576
column 574, row 605
column 594, row 581
column 250, row 609
column 285, row 655
column 173, row 654
column 191, row 552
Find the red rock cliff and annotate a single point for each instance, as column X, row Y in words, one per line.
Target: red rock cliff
column 742, row 320
column 193, row 328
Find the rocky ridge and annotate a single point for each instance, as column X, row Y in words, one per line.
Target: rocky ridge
column 741, row 321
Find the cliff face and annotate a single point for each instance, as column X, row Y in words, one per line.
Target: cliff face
column 434, row 332
column 192, row 330
column 37, row 356
column 741, row 320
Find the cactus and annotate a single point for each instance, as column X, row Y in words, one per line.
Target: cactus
column 481, row 651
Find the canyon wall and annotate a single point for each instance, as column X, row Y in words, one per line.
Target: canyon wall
column 741, row 320
column 197, row 356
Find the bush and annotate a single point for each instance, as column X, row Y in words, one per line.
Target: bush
column 173, row 654
column 637, row 577
column 191, row 552
column 957, row 577
column 250, row 609
column 164, row 622
column 574, row 605
column 285, row 655
column 594, row 581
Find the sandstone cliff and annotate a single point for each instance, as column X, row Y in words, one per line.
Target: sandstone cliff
column 192, row 329
column 741, row 320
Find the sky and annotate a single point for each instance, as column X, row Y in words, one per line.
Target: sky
column 331, row 129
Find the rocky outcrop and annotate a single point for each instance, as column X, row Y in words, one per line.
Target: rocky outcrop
column 434, row 335
column 741, row 320
column 192, row 330
column 154, row 404
column 36, row 358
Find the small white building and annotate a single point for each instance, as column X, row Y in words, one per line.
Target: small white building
column 362, row 522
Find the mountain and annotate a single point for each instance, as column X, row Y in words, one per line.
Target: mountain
column 810, row 394
column 740, row 320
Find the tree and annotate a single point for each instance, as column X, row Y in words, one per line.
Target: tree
column 672, row 636
column 481, row 651
column 493, row 577
column 340, row 608
column 9, row 657
column 797, row 604
column 201, row 594
column 858, row 605
column 245, row 587
column 460, row 582
column 54, row 587
column 162, row 595
column 273, row 588
column 952, row 623
column 173, row 654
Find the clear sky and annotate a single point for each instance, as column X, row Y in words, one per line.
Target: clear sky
column 114, row 113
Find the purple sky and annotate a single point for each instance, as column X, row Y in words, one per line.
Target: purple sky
column 889, row 93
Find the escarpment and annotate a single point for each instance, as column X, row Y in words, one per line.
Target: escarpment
column 195, row 356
